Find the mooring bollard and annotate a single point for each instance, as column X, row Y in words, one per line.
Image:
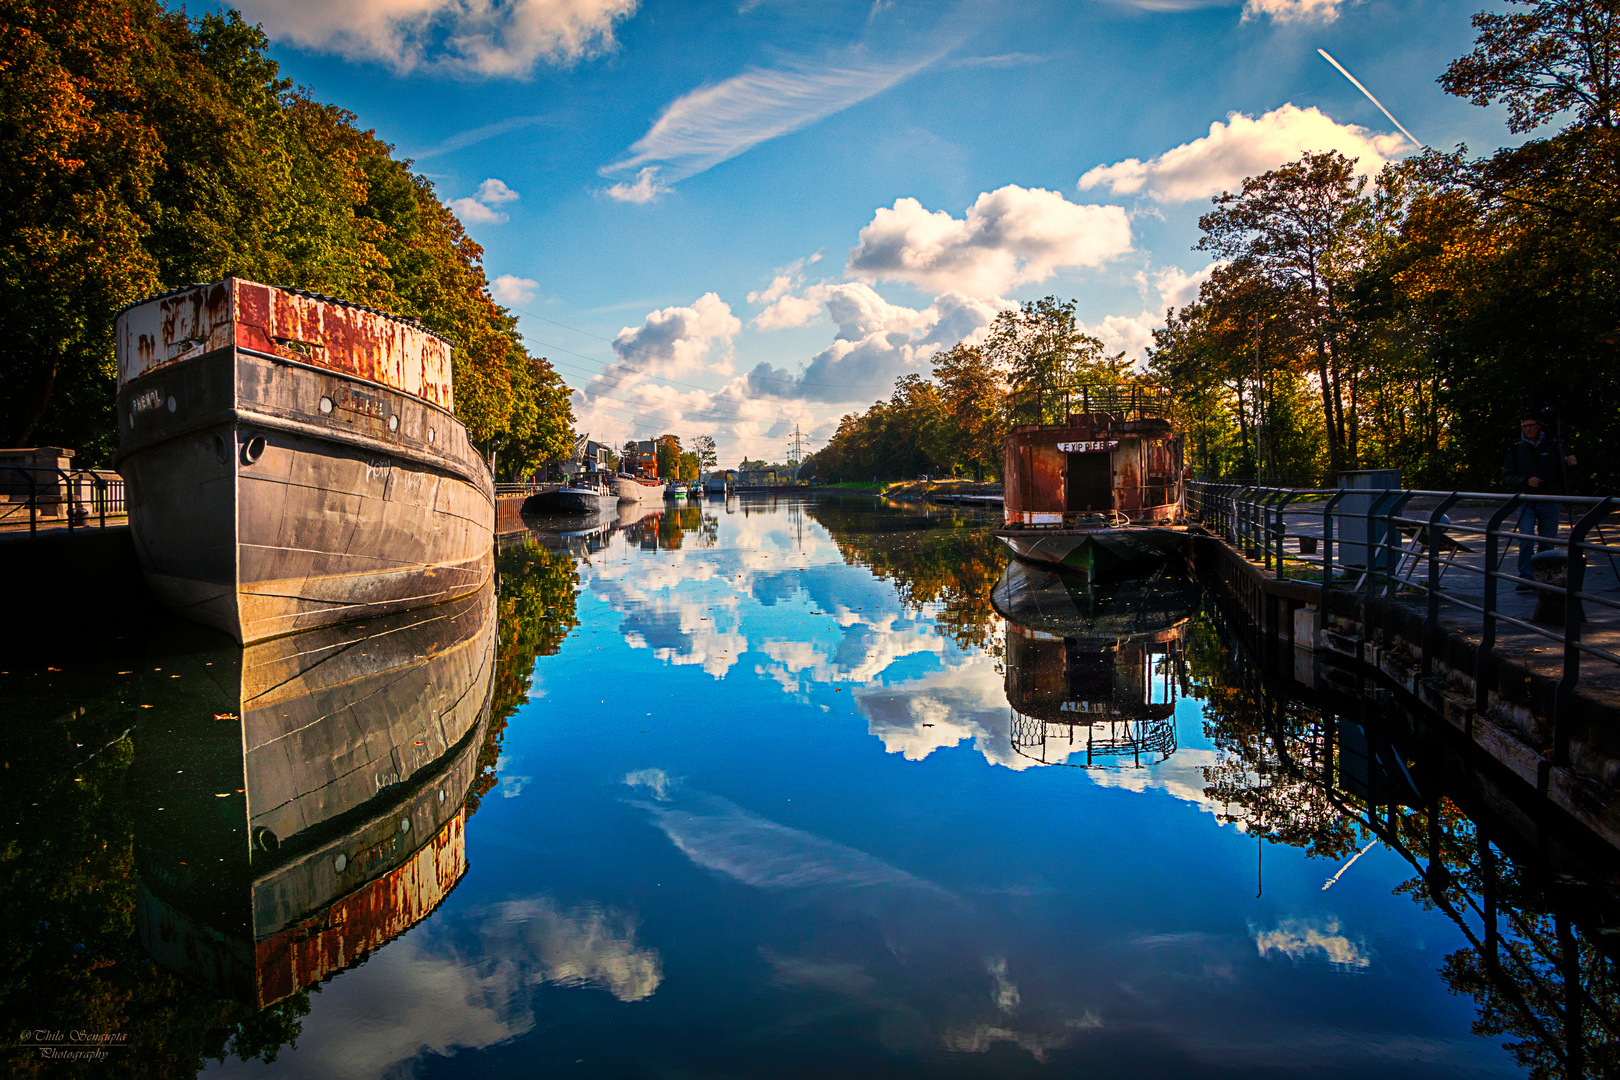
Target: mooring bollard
column 1552, row 568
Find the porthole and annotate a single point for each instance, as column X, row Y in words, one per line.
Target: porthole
column 393, row 423
column 430, row 434
column 340, row 863
column 326, row 406
column 265, row 840
column 253, row 449
column 404, row 825
column 173, row 404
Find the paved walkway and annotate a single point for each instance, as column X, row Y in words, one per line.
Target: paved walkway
column 1463, row 579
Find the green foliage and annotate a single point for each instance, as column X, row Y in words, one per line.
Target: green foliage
column 535, row 611
column 1427, row 312
column 156, row 151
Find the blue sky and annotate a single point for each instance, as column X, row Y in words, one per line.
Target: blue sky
column 728, row 218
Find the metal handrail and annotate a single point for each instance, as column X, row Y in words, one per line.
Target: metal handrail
column 67, row 488
column 1259, row 521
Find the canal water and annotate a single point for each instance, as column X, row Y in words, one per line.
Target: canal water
column 754, row 789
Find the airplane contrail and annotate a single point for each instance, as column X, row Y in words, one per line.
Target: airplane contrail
column 1370, row 98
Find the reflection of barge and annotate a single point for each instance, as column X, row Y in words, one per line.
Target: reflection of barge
column 293, row 460
column 330, row 820
column 1093, row 672
column 1098, row 491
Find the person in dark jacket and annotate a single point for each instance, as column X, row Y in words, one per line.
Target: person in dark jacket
column 1532, row 466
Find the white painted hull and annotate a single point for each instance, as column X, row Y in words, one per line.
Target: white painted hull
column 635, row 491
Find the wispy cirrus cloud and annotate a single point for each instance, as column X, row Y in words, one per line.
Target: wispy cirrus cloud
column 715, row 123
column 472, row 137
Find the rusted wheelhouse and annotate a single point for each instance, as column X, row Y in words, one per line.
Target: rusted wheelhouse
column 1093, row 479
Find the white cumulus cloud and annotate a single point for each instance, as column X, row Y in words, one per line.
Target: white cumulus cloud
column 509, row 289
column 876, row 341
column 1243, row 146
column 493, row 192
column 479, row 208
column 1010, row 236
column 475, row 38
column 645, row 189
column 677, row 339
column 1285, row 11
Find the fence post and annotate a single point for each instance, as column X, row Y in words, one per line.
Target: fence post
column 1390, row 555
column 1487, row 638
column 1575, row 577
column 1281, row 527
column 1431, row 621
column 1327, row 555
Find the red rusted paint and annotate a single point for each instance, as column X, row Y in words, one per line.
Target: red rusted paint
column 314, row 330
column 347, row 932
column 1036, row 469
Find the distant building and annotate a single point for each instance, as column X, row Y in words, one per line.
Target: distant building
column 592, row 456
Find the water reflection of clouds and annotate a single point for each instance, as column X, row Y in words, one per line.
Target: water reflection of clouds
column 944, row 708
column 721, row 836
column 1313, row 939
column 1184, row 776
column 461, row 983
column 931, row 948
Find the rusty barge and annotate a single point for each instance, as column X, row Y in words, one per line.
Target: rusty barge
column 1096, row 491
column 293, row 460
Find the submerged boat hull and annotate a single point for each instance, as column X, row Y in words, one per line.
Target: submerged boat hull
column 1096, row 554
column 268, row 496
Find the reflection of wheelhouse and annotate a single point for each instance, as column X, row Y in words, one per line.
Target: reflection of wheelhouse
column 1106, row 699
column 284, row 839
column 1092, row 478
column 1091, row 673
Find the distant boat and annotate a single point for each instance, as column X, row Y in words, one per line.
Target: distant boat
column 637, row 489
column 674, row 490
column 716, row 485
column 293, row 460
column 1098, row 491
column 585, row 498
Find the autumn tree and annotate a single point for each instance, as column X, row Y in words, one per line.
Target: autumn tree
column 973, row 394
column 145, row 150
column 1286, row 227
column 1041, row 348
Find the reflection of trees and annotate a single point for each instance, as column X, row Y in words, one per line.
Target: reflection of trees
column 69, row 958
column 687, row 523
column 1332, row 784
column 535, row 606
column 939, row 560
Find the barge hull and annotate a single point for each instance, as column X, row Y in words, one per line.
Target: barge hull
column 1096, row 554
column 268, row 497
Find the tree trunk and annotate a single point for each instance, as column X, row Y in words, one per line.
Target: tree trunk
column 1335, row 454
column 27, row 431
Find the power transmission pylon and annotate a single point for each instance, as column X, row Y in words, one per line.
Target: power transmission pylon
column 795, row 450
